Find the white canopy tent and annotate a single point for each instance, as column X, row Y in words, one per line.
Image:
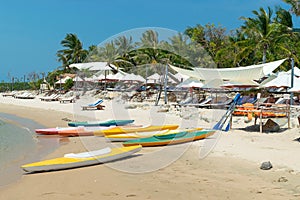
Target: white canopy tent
column 241, row 75
column 296, row 71
column 93, row 66
column 296, row 87
column 133, row 77
column 283, row 79
column 190, row 83
column 234, row 84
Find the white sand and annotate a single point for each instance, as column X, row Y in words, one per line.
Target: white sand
column 235, row 158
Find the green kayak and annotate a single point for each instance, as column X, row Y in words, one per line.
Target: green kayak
column 174, row 138
column 102, row 123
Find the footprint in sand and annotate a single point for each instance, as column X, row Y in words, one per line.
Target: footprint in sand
column 130, row 195
column 110, row 194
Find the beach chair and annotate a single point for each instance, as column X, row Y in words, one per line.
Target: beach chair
column 203, row 104
column 10, row 94
column 25, row 95
column 45, row 98
column 67, row 99
column 96, row 105
column 54, row 97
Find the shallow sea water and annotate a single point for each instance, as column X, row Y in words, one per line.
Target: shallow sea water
column 19, row 145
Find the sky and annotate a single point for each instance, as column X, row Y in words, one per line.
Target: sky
column 31, row 30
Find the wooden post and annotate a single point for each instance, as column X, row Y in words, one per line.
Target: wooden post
column 260, row 121
column 231, row 121
column 289, row 116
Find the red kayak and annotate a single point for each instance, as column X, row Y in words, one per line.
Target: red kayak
column 71, row 131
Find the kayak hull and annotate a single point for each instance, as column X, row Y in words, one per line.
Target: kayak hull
column 137, row 135
column 123, row 130
column 164, row 140
column 71, row 131
column 69, row 163
column 101, row 123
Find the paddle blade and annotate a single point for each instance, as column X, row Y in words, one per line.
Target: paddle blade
column 227, row 127
column 237, row 97
column 217, row 126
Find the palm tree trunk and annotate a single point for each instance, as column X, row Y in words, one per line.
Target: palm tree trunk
column 265, row 54
column 113, row 69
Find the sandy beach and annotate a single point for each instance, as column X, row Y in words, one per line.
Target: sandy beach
column 229, row 171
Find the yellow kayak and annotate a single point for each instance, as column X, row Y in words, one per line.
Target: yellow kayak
column 122, row 130
column 73, row 160
column 136, row 135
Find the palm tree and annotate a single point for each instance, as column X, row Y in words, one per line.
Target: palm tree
column 124, row 45
column 295, row 6
column 261, row 33
column 125, row 48
column 93, row 54
column 284, row 18
column 109, row 53
column 73, row 51
column 64, row 60
column 151, row 53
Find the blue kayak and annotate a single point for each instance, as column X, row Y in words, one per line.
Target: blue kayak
column 102, row 123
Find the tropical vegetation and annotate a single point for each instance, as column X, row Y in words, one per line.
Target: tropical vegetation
column 267, row 35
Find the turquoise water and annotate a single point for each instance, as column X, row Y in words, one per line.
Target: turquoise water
column 19, row 145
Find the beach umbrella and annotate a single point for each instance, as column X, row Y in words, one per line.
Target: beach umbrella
column 133, row 77
column 190, row 83
column 193, row 84
column 154, row 78
column 283, row 79
column 181, row 77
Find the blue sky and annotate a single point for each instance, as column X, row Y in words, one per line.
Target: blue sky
column 31, row 30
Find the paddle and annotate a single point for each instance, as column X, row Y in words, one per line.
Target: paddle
column 219, row 125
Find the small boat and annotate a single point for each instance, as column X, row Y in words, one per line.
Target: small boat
column 137, row 135
column 72, row 160
column 71, row 131
column 122, row 130
column 168, row 139
column 101, row 123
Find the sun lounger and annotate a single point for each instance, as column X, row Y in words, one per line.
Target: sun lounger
column 68, row 99
column 202, row 104
column 97, row 105
column 10, row 94
column 25, row 95
column 47, row 97
column 53, row 97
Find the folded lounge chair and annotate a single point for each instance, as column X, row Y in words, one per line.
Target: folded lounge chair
column 96, row 105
